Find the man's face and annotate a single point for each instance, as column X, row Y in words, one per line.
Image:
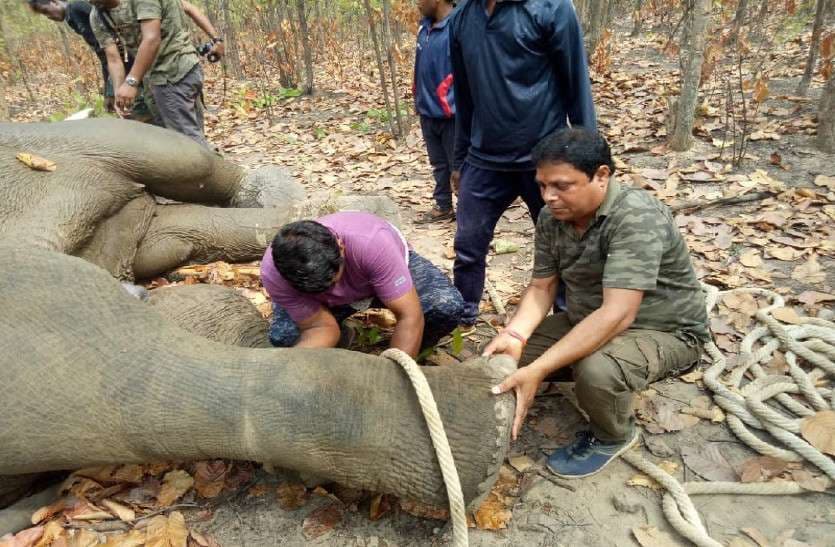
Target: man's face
column 428, row 8
column 569, row 193
column 54, row 11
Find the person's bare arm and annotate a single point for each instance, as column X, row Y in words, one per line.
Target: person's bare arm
column 408, row 332
column 319, row 331
column 205, row 25
column 615, row 315
column 148, row 48
column 115, row 66
column 537, row 300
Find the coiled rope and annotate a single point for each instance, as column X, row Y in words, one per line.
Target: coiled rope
column 439, row 441
column 747, row 409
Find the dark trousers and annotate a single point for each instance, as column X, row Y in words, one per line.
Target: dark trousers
column 482, row 199
column 439, row 136
column 180, row 105
column 441, row 304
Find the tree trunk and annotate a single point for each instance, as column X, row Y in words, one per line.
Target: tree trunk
column 307, row 49
column 232, row 58
column 826, row 117
column 597, row 21
column 692, row 55
column 4, row 106
column 814, row 44
column 387, row 41
column 637, row 19
column 380, row 66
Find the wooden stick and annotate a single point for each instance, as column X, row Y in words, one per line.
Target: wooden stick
column 733, row 200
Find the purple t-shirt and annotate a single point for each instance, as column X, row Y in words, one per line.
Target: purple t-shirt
column 376, row 264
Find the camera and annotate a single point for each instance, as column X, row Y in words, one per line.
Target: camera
column 204, row 50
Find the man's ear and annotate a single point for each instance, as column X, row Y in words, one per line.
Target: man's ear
column 602, row 174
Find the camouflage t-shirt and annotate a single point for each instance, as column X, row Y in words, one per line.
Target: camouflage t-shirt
column 176, row 56
column 632, row 243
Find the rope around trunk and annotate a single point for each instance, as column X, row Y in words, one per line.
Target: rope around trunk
column 747, row 410
column 439, row 441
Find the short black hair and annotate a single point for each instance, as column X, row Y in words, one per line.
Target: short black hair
column 39, row 3
column 583, row 149
column 307, row 255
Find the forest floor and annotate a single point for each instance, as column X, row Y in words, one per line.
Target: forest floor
column 336, row 141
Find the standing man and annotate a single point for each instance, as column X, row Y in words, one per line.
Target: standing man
column 155, row 33
column 435, row 102
column 636, row 312
column 520, row 73
column 77, row 15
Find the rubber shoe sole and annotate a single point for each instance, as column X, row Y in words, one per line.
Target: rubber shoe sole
column 627, row 446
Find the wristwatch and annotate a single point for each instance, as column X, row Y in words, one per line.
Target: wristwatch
column 131, row 81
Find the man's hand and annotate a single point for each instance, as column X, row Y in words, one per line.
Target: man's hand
column 218, row 50
column 455, row 180
column 505, row 344
column 125, row 96
column 525, row 382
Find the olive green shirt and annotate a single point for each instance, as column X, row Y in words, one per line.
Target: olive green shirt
column 176, row 56
column 631, row 243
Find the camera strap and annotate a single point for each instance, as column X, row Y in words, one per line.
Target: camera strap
column 107, row 20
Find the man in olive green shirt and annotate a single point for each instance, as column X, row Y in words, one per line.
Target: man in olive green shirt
column 635, row 309
column 155, row 32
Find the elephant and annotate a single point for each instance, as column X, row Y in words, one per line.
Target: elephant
column 98, row 373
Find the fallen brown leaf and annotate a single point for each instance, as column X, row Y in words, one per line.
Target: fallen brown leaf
column 134, row 538
column 51, row 532
column 174, row 485
column 209, row 478
column 380, row 506
column 291, row 496
column 650, row 536
column 810, row 272
column 36, row 163
column 323, row 520
column 123, row 512
column 819, row 430
column 813, row 483
column 49, row 511
column 756, row 535
column 787, row 315
column 761, row 469
column 167, row 532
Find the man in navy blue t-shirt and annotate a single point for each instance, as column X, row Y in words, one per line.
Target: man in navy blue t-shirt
column 435, row 102
column 520, row 74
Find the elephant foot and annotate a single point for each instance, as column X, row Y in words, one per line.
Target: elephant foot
column 268, row 187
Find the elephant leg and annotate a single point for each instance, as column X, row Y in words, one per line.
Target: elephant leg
column 166, row 163
column 114, row 243
column 219, row 313
column 182, row 234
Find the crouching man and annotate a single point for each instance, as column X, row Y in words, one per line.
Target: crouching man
column 635, row 309
column 320, row 272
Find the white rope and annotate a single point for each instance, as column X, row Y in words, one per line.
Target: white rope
column 457, row 509
column 747, row 407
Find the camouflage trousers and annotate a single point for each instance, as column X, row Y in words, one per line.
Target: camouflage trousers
column 606, row 380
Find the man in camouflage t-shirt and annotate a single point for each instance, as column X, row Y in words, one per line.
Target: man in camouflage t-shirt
column 155, row 33
column 635, row 309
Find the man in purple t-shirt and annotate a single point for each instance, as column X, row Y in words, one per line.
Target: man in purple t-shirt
column 318, row 273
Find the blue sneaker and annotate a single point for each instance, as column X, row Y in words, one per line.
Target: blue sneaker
column 586, row 456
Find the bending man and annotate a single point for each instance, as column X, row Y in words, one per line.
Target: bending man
column 319, row 273
column 635, row 314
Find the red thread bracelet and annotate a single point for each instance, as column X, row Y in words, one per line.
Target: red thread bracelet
column 516, row 335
